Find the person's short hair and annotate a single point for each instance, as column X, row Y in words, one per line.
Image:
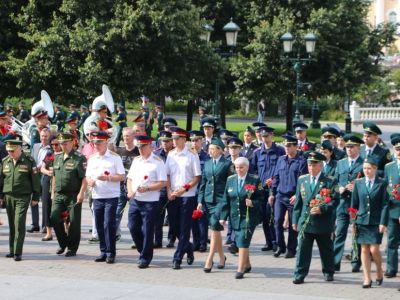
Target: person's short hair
column 129, row 130
column 241, row 161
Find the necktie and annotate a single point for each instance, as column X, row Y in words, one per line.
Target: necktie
column 351, row 164
column 240, row 184
column 313, row 183
column 368, row 152
column 369, row 186
column 325, row 168
column 214, row 164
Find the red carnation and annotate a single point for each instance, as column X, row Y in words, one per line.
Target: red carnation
column 197, row 214
column 304, row 147
column 106, row 173
column 250, row 187
column 65, row 215
column 353, row 212
column 186, row 186
column 324, row 192
column 145, row 177
column 328, row 199
column 359, row 175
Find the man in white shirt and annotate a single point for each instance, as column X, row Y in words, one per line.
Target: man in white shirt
column 104, row 173
column 146, row 178
column 184, row 173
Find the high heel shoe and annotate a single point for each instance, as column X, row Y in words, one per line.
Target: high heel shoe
column 367, row 286
column 248, row 269
column 239, row 275
column 222, row 266
column 379, row 281
column 208, row 270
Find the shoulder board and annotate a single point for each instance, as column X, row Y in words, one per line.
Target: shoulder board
column 330, row 177
column 30, row 158
column 232, row 176
column 303, row 176
column 137, row 157
column 253, row 176
column 344, row 159
column 113, row 153
column 257, row 150
column 360, row 179
column 311, row 142
column 6, row 158
column 155, row 157
column 391, row 163
column 78, row 153
column 388, row 155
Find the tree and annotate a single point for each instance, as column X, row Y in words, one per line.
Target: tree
column 343, row 58
column 136, row 47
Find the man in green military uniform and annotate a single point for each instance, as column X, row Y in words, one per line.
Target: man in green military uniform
column 331, row 133
column 347, row 171
column 314, row 221
column 372, row 147
column 68, row 190
column 392, row 175
column 19, row 181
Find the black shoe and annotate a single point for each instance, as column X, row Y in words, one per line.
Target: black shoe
column 233, row 249
column 157, row 245
column 247, row 270
column 170, row 244
column 290, row 254
column 266, row 248
column 70, row 253
column 17, row 257
column 390, row 274
column 222, row 266
column 379, row 281
column 10, row 255
column 33, row 229
column 133, row 246
column 190, row 258
column 355, row 269
column 367, row 286
column 45, row 239
column 176, row 265
column 101, row 258
column 117, row 237
column 202, row 249
column 239, row 275
column 298, row 281
column 337, row 268
column 328, row 277
column 197, row 248
column 143, row 265
column 348, row 257
column 274, row 248
column 110, row 260
column 60, row 250
column 278, row 252
column 208, row 270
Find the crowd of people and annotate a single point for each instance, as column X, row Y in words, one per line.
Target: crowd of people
column 204, row 181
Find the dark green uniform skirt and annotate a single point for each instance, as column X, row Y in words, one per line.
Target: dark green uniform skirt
column 368, row 234
column 242, row 239
column 213, row 217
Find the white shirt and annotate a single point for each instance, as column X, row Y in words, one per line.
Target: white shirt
column 97, row 165
column 144, row 172
column 39, row 153
column 369, row 149
column 316, row 178
column 352, row 160
column 182, row 167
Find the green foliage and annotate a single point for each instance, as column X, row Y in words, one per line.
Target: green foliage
column 333, row 115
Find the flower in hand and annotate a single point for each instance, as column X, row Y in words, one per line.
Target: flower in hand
column 106, row 173
column 197, row 214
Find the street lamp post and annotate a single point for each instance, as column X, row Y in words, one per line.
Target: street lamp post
column 231, row 30
column 298, row 61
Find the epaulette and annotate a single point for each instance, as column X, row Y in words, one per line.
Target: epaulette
column 5, row 158
column 388, row 155
column 156, row 157
column 359, row 179
column 232, row 176
column 78, row 153
column 137, row 157
column 30, row 158
column 303, row 176
column 253, row 176
column 312, row 142
column 391, row 163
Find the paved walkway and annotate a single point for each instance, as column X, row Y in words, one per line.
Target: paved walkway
column 44, row 275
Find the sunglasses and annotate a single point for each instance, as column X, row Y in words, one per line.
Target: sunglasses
column 55, row 144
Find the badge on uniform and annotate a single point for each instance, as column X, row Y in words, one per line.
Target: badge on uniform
column 230, row 190
column 302, row 191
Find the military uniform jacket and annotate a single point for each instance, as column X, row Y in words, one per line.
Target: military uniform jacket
column 213, row 182
column 121, row 119
column 320, row 224
column 330, row 168
column 248, row 153
column 392, row 176
column 381, row 154
column 59, row 118
column 339, row 154
column 372, row 206
column 23, row 116
column 287, row 172
column 345, row 175
column 69, row 172
column 234, row 202
column 21, row 178
column 265, row 160
column 307, row 146
column 84, row 116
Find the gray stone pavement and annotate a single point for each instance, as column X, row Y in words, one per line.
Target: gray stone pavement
column 44, row 275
